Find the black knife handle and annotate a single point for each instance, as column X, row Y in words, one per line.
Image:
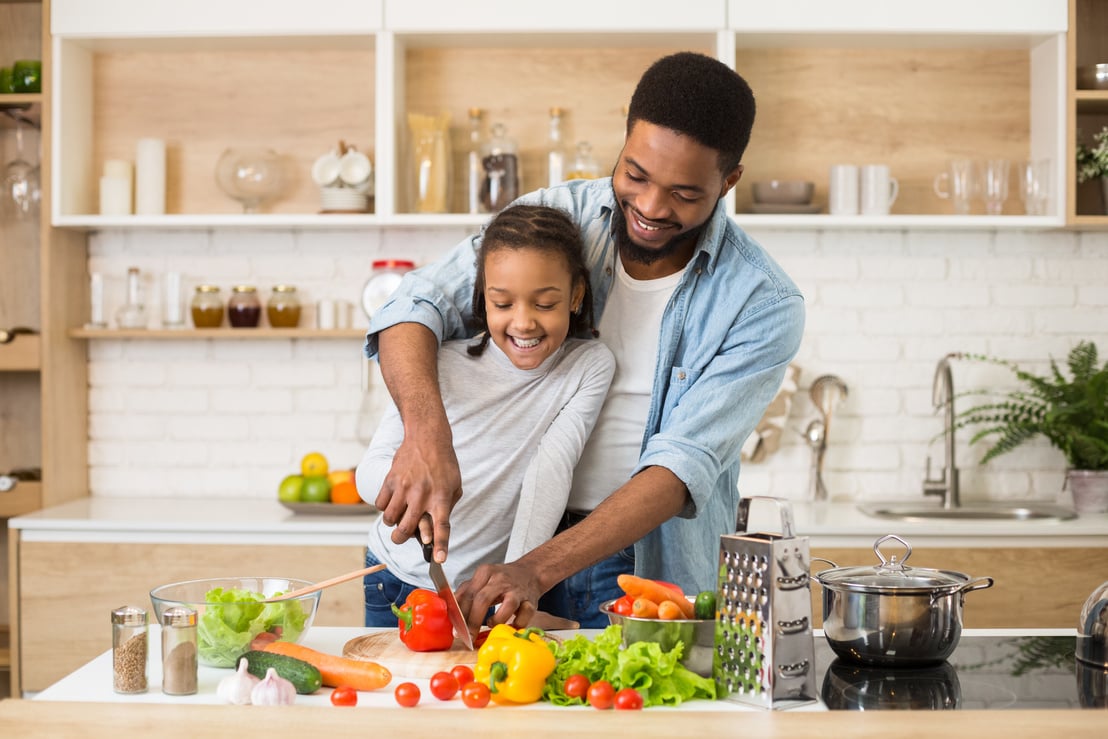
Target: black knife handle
column 428, row 546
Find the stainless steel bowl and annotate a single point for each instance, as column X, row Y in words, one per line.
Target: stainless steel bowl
column 697, row 635
column 783, row 192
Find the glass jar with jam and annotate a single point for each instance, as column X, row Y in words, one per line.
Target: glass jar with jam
column 283, row 307
column 207, row 307
column 244, row 309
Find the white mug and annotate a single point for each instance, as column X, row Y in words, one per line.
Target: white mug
column 354, row 168
column 843, row 190
column 879, row 190
column 325, row 170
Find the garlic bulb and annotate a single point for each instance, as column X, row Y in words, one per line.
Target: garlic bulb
column 273, row 690
column 236, row 687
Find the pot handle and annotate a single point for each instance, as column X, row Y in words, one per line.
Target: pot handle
column 977, row 583
column 782, row 506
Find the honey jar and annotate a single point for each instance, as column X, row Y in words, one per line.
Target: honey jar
column 207, row 307
column 283, row 307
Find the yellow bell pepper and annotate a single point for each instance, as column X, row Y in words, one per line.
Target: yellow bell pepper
column 514, row 664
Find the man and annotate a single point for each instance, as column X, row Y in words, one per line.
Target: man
column 702, row 323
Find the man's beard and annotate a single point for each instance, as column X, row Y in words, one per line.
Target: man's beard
column 635, row 253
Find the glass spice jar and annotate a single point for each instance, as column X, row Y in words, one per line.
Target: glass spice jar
column 207, row 307
column 244, row 309
column 179, row 656
column 129, row 647
column 283, row 307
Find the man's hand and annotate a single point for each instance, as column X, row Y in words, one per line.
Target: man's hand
column 514, row 586
column 424, row 478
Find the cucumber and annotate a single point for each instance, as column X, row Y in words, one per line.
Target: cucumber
column 303, row 676
column 704, row 607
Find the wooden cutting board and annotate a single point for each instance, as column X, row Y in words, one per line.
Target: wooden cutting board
column 386, row 649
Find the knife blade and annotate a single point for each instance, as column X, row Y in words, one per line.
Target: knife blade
column 442, row 586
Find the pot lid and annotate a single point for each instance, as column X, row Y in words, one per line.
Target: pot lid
column 892, row 576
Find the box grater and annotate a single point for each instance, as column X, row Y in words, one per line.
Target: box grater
column 764, row 649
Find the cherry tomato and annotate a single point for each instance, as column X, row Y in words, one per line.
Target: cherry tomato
column 601, row 695
column 463, row 674
column 628, row 699
column 475, row 695
column 577, row 686
column 344, row 696
column 407, row 694
column 622, row 606
column 444, row 686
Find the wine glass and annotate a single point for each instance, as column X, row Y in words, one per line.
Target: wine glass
column 251, row 176
column 20, row 181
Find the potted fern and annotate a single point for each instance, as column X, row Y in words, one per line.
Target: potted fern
column 1070, row 412
column 1092, row 163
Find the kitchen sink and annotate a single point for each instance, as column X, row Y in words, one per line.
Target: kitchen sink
column 915, row 512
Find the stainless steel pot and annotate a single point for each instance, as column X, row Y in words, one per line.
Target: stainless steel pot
column 891, row 614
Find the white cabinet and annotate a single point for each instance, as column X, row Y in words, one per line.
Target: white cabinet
column 857, row 81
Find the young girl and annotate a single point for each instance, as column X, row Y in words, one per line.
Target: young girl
column 521, row 399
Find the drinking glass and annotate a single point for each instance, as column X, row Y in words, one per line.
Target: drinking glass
column 958, row 184
column 1035, row 186
column 994, row 184
column 20, row 181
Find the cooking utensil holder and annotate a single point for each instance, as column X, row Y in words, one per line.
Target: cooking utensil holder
column 765, row 653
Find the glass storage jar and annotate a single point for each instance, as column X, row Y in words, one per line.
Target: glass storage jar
column 244, row 309
column 207, row 307
column 283, row 307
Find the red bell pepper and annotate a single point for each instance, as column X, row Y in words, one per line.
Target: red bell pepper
column 424, row 622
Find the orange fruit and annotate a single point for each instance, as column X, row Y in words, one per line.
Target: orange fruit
column 313, row 464
column 345, row 493
column 337, row 476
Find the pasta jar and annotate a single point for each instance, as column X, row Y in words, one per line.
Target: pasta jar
column 283, row 307
column 207, row 307
column 244, row 309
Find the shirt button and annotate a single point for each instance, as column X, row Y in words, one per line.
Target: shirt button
column 608, row 271
column 680, row 375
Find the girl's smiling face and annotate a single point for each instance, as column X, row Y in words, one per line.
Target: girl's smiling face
column 529, row 295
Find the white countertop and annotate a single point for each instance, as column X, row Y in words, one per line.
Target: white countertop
column 211, row 520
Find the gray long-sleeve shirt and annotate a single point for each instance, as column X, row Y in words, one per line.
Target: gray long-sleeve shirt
column 518, row 435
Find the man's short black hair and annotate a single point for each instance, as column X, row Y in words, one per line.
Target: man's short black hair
column 697, row 96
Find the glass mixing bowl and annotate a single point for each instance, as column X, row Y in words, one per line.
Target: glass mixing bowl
column 250, row 176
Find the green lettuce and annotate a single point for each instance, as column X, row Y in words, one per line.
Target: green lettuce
column 658, row 675
column 233, row 618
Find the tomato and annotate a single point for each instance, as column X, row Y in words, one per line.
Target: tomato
column 463, row 674
column 601, row 695
column 628, row 699
column 444, row 686
column 344, row 696
column 622, row 606
column 577, row 686
column 476, row 695
column 407, row 694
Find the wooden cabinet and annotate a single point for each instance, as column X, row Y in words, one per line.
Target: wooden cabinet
column 67, row 590
column 1088, row 109
column 1033, row 587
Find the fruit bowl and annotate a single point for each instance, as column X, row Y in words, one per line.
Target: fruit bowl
column 698, row 636
column 231, row 618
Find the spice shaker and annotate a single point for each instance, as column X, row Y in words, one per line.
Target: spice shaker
column 179, row 651
column 129, row 648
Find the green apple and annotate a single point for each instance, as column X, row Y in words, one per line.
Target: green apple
column 290, row 489
column 317, row 489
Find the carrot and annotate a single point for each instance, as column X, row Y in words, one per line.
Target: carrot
column 640, row 587
column 335, row 670
column 644, row 608
column 668, row 610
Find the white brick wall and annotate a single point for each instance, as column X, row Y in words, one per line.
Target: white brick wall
column 179, row 418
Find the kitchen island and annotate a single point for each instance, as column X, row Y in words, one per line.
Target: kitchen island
column 115, row 550
column 83, row 704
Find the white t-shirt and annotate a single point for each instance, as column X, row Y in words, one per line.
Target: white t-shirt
column 630, row 327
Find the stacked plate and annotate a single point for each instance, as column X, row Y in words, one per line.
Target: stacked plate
column 342, row 200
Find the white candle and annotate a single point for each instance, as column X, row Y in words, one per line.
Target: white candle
column 117, row 168
column 115, row 196
column 96, row 300
column 150, row 177
column 172, row 313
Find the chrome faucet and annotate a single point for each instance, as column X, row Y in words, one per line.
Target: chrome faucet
column 942, row 398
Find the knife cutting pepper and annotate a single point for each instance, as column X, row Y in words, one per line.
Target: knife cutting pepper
column 424, row 622
column 514, row 664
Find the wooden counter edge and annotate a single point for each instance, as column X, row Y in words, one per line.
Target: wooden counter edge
column 111, row 720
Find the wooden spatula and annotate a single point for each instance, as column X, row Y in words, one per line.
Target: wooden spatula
column 326, row 583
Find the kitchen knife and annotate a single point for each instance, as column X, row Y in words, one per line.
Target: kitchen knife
column 442, row 586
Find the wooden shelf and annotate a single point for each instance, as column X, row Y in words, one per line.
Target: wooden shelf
column 23, row 354
column 5, row 648
column 1092, row 101
column 25, row 497
column 237, row 334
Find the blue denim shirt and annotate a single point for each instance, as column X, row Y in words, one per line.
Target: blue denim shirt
column 732, row 326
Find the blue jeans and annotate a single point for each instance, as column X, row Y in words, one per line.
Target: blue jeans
column 579, row 596
column 382, row 589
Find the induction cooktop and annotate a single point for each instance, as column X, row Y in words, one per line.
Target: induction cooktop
column 983, row 673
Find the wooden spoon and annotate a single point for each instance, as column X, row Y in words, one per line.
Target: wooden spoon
column 326, row 583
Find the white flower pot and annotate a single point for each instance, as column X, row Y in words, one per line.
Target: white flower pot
column 1089, row 489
